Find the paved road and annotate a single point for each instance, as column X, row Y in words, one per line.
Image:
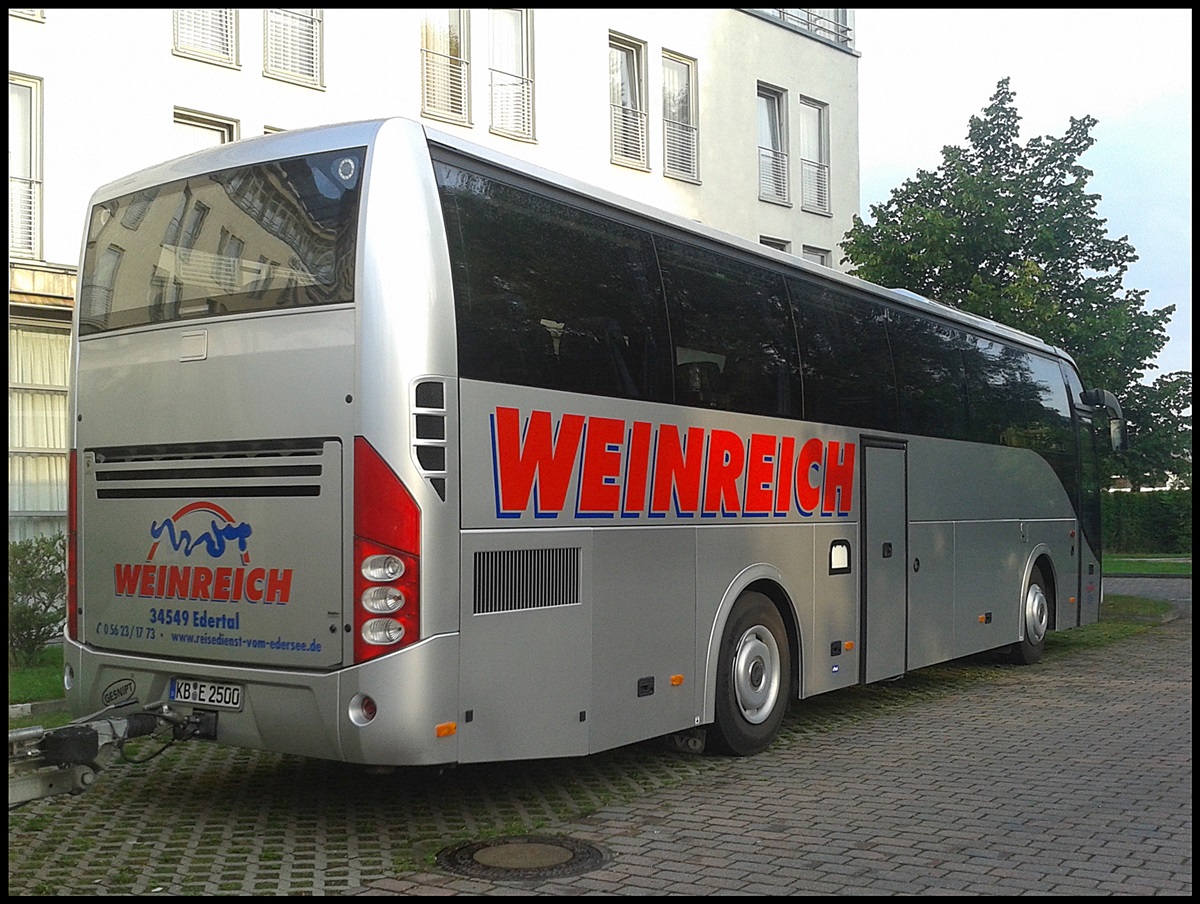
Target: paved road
column 1074, row 777
column 1071, row 777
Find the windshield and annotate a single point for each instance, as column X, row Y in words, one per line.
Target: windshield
column 256, row 238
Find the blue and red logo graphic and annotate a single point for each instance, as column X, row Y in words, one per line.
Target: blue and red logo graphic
column 208, row 532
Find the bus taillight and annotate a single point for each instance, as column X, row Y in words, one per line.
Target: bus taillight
column 72, row 549
column 387, row 548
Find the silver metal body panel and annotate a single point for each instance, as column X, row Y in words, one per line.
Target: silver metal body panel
column 230, row 569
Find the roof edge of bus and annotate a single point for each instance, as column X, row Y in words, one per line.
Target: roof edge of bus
column 233, row 152
column 614, row 199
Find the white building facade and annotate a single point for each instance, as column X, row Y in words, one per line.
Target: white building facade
column 744, row 120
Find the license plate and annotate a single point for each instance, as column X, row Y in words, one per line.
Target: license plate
column 206, row 693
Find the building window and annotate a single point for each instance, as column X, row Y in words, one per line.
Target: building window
column 24, row 167
column 207, row 34
column 38, row 358
column 814, row 157
column 815, row 255
column 772, row 146
column 511, row 73
column 196, row 131
column 777, row 244
column 627, row 102
column 681, row 132
column 292, row 45
column 444, row 65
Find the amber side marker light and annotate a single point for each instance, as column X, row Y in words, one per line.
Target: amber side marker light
column 676, row 680
column 446, row 729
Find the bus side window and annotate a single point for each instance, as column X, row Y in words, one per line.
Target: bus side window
column 845, row 357
column 727, row 311
column 591, row 357
column 592, row 276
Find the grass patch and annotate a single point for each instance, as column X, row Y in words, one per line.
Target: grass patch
column 1168, row 565
column 42, row 681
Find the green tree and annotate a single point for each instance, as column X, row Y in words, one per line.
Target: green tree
column 1009, row 231
column 37, row 589
column 1160, row 437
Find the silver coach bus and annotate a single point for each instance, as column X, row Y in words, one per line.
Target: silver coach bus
column 392, row 450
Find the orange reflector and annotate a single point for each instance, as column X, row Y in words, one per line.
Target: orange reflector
column 676, row 680
column 848, row 645
column 1071, row 600
column 983, row 619
column 446, row 729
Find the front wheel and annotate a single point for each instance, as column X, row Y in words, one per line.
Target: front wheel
column 1035, row 618
column 753, row 667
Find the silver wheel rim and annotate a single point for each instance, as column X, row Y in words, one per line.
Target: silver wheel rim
column 756, row 677
column 1037, row 614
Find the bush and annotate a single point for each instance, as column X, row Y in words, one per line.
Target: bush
column 37, row 591
column 1158, row 521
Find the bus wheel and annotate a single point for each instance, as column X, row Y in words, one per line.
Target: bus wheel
column 1035, row 616
column 752, row 677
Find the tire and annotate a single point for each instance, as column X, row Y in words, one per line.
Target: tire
column 753, row 675
column 1036, row 606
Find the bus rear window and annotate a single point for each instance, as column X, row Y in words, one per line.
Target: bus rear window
column 266, row 237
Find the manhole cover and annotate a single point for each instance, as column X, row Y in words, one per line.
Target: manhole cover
column 521, row 857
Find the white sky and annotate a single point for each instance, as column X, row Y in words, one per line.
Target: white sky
column 924, row 73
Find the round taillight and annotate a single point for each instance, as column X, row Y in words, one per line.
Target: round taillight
column 382, row 600
column 382, row 631
column 382, row 568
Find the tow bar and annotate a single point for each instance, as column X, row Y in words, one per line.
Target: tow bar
column 44, row 762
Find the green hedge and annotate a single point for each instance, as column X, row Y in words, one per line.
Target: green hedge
column 1144, row 523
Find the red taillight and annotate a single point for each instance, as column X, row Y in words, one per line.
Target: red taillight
column 72, row 549
column 387, row 556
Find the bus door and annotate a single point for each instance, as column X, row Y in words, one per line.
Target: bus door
column 1087, row 540
column 884, row 558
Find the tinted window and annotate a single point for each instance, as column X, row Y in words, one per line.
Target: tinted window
column 256, row 238
column 550, row 295
column 735, row 348
column 930, row 384
column 844, row 357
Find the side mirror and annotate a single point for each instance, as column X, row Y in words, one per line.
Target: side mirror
column 1102, row 398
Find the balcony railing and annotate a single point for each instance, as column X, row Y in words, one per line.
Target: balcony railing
column 681, row 150
column 814, row 186
column 772, row 175
column 829, row 24
column 24, row 216
column 443, row 86
column 629, row 140
column 512, row 104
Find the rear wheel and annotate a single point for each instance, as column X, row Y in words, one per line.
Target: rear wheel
column 1035, row 618
column 753, row 667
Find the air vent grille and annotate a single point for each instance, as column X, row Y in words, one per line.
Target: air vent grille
column 508, row 580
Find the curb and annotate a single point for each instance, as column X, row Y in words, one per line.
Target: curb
column 1182, row 577
column 21, row 710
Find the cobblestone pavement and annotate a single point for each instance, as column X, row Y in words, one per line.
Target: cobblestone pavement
column 1071, row 777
